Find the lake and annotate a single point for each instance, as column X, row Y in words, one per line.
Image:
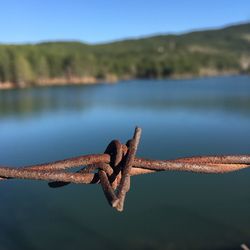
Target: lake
column 167, row 210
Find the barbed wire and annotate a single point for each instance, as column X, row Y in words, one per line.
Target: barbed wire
column 116, row 165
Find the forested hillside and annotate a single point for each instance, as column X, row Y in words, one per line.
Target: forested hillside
column 211, row 52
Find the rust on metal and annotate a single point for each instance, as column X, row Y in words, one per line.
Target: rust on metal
column 116, row 165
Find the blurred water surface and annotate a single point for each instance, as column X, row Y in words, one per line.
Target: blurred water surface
column 164, row 210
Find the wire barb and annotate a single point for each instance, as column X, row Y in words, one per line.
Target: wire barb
column 125, row 180
column 116, row 165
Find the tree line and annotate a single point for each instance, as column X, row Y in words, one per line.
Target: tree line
column 196, row 53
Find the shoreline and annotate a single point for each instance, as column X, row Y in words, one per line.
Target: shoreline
column 109, row 80
column 58, row 82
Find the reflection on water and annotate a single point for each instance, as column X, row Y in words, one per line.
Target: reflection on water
column 225, row 94
column 164, row 210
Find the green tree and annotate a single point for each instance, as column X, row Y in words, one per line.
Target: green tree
column 42, row 68
column 23, row 73
column 5, row 65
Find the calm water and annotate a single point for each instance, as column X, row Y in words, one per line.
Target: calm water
column 164, row 210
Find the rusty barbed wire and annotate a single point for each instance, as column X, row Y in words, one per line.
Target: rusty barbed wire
column 116, row 165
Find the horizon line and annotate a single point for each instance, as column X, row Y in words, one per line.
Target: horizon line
column 177, row 33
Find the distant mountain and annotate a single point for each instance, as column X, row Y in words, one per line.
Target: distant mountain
column 200, row 53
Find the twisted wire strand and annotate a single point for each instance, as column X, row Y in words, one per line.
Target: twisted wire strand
column 116, row 165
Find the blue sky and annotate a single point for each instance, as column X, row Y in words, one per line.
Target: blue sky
column 95, row 21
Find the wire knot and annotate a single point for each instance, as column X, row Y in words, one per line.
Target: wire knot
column 115, row 176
